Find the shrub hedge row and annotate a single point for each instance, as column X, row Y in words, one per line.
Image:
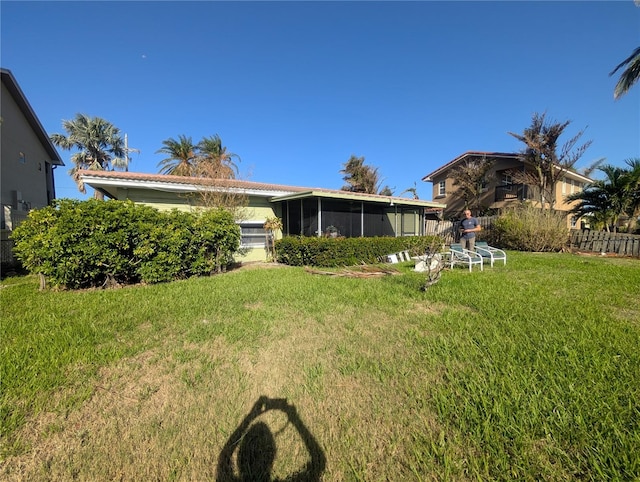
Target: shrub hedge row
column 82, row 244
column 328, row 252
column 527, row 228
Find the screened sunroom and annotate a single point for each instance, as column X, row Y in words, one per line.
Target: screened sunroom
column 321, row 213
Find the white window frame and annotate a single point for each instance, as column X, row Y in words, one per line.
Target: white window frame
column 256, row 238
column 442, row 188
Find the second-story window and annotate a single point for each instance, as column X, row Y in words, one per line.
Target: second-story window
column 442, row 188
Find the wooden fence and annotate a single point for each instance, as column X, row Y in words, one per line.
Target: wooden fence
column 450, row 230
column 581, row 240
column 603, row 242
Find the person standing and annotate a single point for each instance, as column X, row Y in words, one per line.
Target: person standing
column 469, row 227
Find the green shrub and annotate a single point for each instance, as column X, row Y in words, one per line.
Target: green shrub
column 309, row 251
column 82, row 244
column 527, row 228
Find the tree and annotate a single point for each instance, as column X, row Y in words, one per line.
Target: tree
column 214, row 160
column 606, row 200
column 633, row 186
column 360, row 177
column 181, row 156
column 471, row 177
column 629, row 76
column 212, row 164
column 413, row 190
column 99, row 144
column 541, row 152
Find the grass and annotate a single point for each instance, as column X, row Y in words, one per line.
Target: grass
column 529, row 371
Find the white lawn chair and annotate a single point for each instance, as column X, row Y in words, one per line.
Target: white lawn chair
column 458, row 255
column 490, row 253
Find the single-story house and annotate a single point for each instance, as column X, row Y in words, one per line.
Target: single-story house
column 304, row 211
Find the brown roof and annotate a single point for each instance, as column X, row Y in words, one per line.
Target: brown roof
column 187, row 180
column 488, row 155
column 278, row 189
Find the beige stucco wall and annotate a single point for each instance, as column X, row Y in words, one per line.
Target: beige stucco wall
column 29, row 177
column 455, row 204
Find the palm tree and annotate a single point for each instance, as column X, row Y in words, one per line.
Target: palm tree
column 360, row 177
column 610, row 198
column 99, row 145
column 214, row 160
column 181, row 156
column 629, row 76
column 541, row 152
column 633, row 185
column 413, row 190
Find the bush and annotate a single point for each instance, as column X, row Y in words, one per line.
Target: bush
column 527, row 228
column 82, row 244
column 309, row 251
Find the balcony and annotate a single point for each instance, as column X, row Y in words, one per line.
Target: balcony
column 511, row 192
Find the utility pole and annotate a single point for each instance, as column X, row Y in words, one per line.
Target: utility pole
column 127, row 150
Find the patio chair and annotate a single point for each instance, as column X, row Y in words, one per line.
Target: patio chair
column 458, row 255
column 399, row 257
column 490, row 253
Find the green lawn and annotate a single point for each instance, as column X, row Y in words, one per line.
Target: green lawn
column 529, row 371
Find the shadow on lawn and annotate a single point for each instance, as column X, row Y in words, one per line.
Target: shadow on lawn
column 256, row 447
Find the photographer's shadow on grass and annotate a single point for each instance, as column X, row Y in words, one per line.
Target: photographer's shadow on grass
column 256, row 449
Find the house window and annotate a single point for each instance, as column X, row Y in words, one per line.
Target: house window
column 574, row 221
column 442, row 188
column 507, row 182
column 564, row 185
column 253, row 235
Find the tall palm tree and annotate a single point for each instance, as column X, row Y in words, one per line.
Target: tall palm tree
column 548, row 159
column 99, row 143
column 606, row 199
column 214, row 160
column 181, row 156
column 629, row 76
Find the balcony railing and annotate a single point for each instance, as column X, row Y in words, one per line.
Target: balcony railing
column 512, row 192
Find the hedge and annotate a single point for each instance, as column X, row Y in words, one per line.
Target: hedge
column 328, row 252
column 82, row 244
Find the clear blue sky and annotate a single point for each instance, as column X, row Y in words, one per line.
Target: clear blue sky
column 295, row 88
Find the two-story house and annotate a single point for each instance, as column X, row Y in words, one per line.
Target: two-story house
column 27, row 159
column 500, row 187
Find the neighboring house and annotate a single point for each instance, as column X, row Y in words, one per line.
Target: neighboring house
column 304, row 211
column 500, row 190
column 27, row 159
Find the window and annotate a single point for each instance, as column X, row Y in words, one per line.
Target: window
column 564, row 185
column 442, row 188
column 253, row 235
column 507, row 179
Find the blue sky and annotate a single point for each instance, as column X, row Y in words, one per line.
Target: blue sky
column 295, row 88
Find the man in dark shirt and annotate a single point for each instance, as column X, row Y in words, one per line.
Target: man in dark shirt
column 470, row 226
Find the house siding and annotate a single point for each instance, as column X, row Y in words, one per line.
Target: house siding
column 26, row 167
